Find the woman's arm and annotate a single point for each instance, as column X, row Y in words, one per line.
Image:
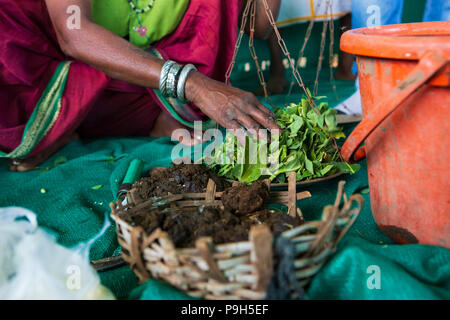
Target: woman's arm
column 119, row 59
column 101, row 48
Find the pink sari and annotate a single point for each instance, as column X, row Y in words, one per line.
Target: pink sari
column 45, row 95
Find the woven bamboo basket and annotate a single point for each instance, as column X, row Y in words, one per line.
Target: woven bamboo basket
column 241, row 270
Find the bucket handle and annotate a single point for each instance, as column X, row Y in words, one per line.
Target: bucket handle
column 428, row 66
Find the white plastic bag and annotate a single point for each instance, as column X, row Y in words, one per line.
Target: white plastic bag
column 34, row 266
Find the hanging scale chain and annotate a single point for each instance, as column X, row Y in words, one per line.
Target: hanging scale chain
column 251, row 5
column 322, row 48
column 305, row 42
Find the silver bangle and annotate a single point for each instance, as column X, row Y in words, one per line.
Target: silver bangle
column 163, row 76
column 171, row 80
column 182, row 81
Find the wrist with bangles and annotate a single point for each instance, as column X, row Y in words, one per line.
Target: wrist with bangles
column 172, row 81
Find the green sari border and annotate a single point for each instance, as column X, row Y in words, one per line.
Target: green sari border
column 44, row 114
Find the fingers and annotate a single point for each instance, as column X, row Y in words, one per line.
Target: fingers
column 258, row 112
column 238, row 132
column 21, row 165
column 234, row 108
column 237, row 120
column 244, row 126
column 267, row 119
column 263, row 108
column 249, row 123
column 12, row 165
column 191, row 139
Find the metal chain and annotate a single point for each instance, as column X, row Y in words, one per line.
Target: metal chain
column 332, row 78
column 305, row 42
column 236, row 50
column 251, row 4
column 322, row 48
column 285, row 51
column 309, row 31
column 239, row 40
column 331, row 24
column 251, row 47
column 331, row 58
column 331, row 42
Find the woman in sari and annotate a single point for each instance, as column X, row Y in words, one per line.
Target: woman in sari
column 95, row 68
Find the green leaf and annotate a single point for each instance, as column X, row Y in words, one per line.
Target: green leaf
column 313, row 117
column 338, row 135
column 281, row 179
column 344, row 167
column 295, row 126
column 252, row 173
column 293, row 163
column 289, row 142
column 305, row 174
column 305, row 145
column 59, row 160
column 291, row 109
column 309, row 165
column 325, row 170
column 296, row 146
column 45, row 170
column 304, row 107
column 97, row 187
column 283, row 153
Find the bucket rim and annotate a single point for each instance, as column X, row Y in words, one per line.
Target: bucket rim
column 407, row 41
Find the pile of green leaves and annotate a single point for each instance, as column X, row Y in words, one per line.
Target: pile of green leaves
column 306, row 145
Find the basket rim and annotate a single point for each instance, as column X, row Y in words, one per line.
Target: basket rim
column 305, row 225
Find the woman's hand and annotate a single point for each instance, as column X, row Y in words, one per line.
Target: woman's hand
column 230, row 107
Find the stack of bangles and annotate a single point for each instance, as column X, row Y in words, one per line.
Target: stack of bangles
column 173, row 78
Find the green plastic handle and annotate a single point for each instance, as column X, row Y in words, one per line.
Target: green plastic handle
column 134, row 171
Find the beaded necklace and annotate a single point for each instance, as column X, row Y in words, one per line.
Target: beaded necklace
column 142, row 30
column 137, row 10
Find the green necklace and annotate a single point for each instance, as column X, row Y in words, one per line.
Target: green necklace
column 133, row 6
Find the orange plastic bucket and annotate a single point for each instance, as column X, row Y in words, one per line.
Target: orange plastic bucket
column 404, row 75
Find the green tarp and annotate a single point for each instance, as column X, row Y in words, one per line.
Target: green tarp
column 66, row 203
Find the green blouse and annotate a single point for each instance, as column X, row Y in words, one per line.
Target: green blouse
column 144, row 28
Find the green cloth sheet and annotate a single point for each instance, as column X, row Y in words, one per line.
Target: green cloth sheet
column 74, row 210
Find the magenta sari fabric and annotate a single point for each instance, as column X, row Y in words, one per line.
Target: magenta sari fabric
column 93, row 104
